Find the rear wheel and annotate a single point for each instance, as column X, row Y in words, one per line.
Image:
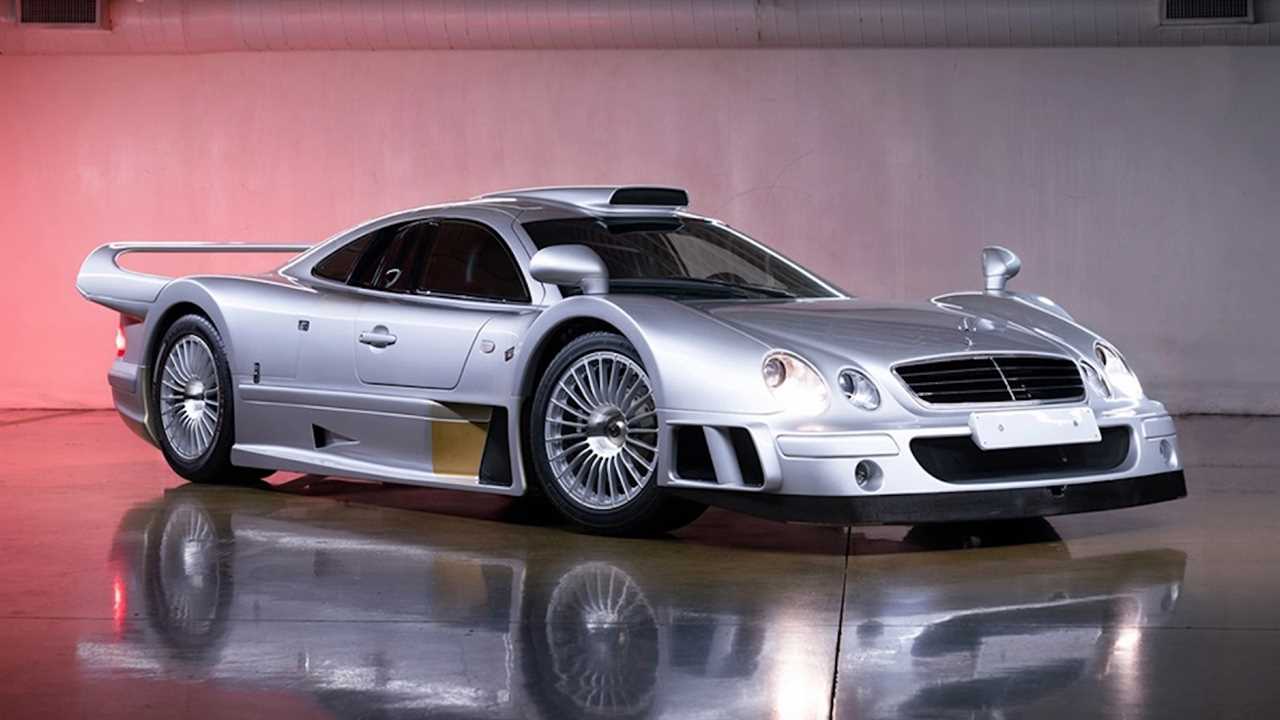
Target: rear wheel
column 191, row 404
column 595, row 441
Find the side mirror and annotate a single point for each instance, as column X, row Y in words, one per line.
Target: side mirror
column 571, row 265
column 999, row 265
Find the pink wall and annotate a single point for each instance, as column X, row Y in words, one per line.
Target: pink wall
column 1141, row 186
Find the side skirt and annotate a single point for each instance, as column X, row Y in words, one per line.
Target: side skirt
column 321, row 463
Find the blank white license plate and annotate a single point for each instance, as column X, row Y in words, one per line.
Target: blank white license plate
column 1029, row 428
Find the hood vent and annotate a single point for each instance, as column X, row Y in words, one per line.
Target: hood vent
column 1205, row 12
column 60, row 12
column 977, row 380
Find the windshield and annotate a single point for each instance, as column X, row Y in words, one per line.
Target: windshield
column 682, row 256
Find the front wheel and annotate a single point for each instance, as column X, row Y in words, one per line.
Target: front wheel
column 595, row 440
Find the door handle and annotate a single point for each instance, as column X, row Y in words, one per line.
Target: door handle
column 378, row 337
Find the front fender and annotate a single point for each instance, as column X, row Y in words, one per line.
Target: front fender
column 694, row 361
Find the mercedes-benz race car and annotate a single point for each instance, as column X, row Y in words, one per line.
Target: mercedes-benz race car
column 629, row 362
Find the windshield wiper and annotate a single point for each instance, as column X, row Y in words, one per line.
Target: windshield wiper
column 759, row 289
column 698, row 286
column 677, row 286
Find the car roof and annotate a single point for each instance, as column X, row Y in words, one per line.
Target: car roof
column 531, row 205
column 558, row 202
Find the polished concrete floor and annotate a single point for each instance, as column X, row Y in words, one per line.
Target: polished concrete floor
column 125, row 593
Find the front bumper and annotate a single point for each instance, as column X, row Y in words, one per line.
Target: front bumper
column 968, row 506
column 808, row 474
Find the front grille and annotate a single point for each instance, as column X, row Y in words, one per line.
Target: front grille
column 976, row 379
column 956, row 459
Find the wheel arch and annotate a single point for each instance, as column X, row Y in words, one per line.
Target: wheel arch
column 179, row 298
column 164, row 320
column 694, row 361
column 571, row 319
column 556, row 328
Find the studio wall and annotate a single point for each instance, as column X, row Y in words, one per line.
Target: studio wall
column 1141, row 186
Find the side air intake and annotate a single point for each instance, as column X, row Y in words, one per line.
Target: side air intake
column 721, row 455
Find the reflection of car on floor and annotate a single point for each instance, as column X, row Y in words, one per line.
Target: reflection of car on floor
column 630, row 362
column 393, row 623
column 990, row 642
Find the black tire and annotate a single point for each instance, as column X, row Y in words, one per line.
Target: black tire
column 651, row 510
column 213, row 465
column 679, row 513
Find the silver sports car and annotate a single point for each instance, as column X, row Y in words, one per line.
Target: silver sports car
column 629, row 363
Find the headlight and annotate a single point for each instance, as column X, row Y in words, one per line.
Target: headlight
column 1116, row 372
column 794, row 383
column 859, row 389
column 1095, row 379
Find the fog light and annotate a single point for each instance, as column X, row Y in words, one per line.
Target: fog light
column 1167, row 452
column 868, row 476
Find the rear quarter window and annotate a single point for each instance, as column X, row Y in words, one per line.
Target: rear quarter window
column 339, row 264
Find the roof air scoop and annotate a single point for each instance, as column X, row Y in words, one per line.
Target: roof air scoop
column 656, row 196
column 999, row 265
column 620, row 198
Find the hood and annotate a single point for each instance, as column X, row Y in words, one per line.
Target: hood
column 878, row 332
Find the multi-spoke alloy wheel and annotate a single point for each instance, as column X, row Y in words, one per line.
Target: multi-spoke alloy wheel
column 594, row 437
column 190, row 403
column 601, row 430
column 190, row 412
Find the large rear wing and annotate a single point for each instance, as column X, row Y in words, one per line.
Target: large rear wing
column 103, row 281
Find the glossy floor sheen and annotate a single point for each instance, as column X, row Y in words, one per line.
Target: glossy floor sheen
column 125, row 593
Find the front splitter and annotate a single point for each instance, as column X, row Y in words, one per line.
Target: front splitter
column 958, row 506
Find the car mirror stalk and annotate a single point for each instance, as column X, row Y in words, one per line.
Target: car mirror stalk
column 999, row 265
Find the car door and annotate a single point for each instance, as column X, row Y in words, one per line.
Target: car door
column 435, row 289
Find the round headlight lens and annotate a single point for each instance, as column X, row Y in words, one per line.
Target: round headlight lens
column 1095, row 379
column 1117, row 373
column 775, row 372
column 859, row 389
column 795, row 383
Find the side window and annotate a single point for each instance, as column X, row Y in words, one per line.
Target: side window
column 407, row 246
column 468, row 259
column 341, row 262
column 387, row 263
